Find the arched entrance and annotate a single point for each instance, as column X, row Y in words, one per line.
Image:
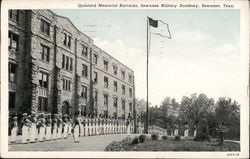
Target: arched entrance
column 66, row 108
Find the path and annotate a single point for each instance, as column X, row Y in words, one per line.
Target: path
column 89, row 143
column 232, row 141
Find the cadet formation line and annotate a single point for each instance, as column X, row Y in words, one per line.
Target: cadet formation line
column 36, row 128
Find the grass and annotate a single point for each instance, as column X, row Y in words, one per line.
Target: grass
column 183, row 145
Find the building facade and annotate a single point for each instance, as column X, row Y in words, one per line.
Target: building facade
column 55, row 68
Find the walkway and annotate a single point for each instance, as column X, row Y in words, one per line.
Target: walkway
column 89, row 143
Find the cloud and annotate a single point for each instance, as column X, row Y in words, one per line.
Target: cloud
column 192, row 36
column 181, row 70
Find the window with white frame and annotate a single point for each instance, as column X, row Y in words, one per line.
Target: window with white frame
column 43, row 79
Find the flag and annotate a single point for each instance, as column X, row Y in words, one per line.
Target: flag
column 152, row 22
column 159, row 28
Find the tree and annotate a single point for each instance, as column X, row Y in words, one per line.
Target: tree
column 228, row 111
column 141, row 108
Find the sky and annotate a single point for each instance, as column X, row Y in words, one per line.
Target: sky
column 203, row 55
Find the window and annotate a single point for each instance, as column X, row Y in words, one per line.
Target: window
column 106, row 82
column 12, row 72
column 13, row 41
column 115, row 86
column 105, row 113
column 63, row 61
column 123, row 89
column 45, row 53
column 115, row 101
column 67, row 39
column 66, row 84
column 115, row 69
column 123, row 104
column 130, row 78
column 84, row 50
column 83, row 110
column 42, row 104
column 45, row 26
column 12, row 99
column 84, row 92
column 67, row 62
column 43, row 80
column 105, row 63
column 84, row 70
column 105, row 99
column 14, row 15
column 96, row 96
column 95, row 77
column 95, row 59
column 123, row 74
column 71, row 64
column 130, row 107
column 130, row 92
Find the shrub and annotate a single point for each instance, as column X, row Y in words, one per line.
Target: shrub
column 201, row 137
column 135, row 141
column 164, row 137
column 177, row 138
column 119, row 145
column 154, row 136
column 142, row 138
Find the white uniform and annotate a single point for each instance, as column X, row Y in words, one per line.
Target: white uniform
column 25, row 130
column 33, row 132
column 76, row 129
column 14, row 131
column 54, row 131
column 48, row 129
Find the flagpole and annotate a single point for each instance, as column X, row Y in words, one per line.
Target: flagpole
column 146, row 124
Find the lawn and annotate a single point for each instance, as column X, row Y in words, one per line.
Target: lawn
column 183, row 145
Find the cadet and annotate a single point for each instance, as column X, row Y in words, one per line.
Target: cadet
column 84, row 126
column 59, row 127
column 81, row 126
column 102, row 125
column 54, row 126
column 42, row 127
column 48, row 123
column 33, row 132
column 25, row 125
column 76, row 128
column 65, row 126
column 98, row 125
column 13, row 129
column 70, row 125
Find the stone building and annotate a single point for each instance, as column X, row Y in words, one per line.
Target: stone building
column 51, row 64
